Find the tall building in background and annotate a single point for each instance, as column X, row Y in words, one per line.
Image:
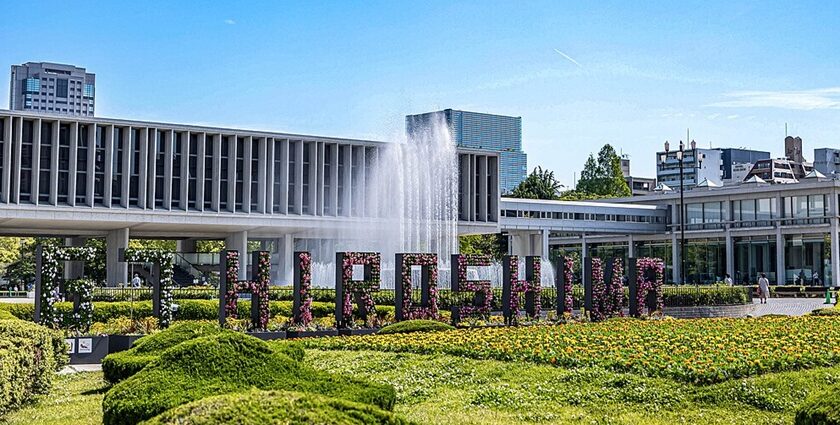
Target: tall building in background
column 52, row 88
column 737, row 163
column 698, row 165
column 477, row 130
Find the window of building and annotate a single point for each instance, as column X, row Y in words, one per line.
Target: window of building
column 293, row 147
column 134, row 182
column 45, row 162
column 61, row 87
column 340, row 207
column 223, row 174
column 255, row 174
column 82, row 164
column 116, row 166
column 88, row 90
column 99, row 167
column 31, row 86
column 240, row 153
column 192, row 172
column 177, row 158
column 160, row 161
column 209, row 159
column 277, row 184
column 307, row 147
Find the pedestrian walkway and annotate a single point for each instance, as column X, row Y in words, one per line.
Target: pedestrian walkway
column 789, row 306
column 76, row 368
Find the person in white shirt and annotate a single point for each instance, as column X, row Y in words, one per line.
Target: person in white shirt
column 135, row 283
column 728, row 280
column 763, row 288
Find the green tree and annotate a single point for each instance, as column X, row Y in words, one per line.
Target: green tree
column 602, row 176
column 540, row 184
column 493, row 245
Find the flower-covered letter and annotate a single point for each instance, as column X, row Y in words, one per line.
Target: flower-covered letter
column 650, row 275
column 163, row 267
column 480, row 303
column 513, row 288
column 230, row 287
column 563, row 280
column 347, row 290
column 405, row 307
column 48, row 260
column 302, row 307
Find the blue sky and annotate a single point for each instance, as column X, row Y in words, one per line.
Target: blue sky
column 579, row 74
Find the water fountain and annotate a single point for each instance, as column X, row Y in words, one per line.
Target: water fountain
column 412, row 198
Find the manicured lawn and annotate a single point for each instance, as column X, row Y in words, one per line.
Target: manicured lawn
column 697, row 351
column 75, row 399
column 443, row 389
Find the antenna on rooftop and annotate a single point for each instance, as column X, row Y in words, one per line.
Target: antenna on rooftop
column 786, row 133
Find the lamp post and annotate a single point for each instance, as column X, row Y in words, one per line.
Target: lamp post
column 680, row 159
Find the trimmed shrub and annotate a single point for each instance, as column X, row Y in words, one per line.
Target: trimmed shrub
column 225, row 363
column 276, row 407
column 293, row 349
column 409, row 326
column 29, row 357
column 121, row 365
column 822, row 408
column 828, row 311
column 6, row 315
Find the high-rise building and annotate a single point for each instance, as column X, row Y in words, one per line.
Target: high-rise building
column 52, row 88
column 498, row 133
column 698, row 165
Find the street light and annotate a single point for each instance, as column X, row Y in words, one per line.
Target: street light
column 680, row 159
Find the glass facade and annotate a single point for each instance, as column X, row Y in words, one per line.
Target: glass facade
column 498, row 133
column 807, row 259
column 705, row 260
column 753, row 256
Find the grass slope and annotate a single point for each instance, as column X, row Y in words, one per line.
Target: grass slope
column 443, row 389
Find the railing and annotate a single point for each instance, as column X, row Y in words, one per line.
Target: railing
column 13, row 294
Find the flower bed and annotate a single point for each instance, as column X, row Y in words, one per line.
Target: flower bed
column 698, row 351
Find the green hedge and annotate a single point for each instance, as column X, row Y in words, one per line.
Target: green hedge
column 103, row 311
column 7, row 315
column 276, row 407
column 121, row 365
column 225, row 363
column 409, row 326
column 29, row 357
column 822, row 408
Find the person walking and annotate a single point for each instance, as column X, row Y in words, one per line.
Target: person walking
column 135, row 283
column 728, row 280
column 763, row 288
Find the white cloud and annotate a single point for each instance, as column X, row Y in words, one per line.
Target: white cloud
column 824, row 98
column 230, row 22
column 732, row 117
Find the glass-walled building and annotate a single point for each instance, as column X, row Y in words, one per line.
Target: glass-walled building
column 787, row 231
column 489, row 132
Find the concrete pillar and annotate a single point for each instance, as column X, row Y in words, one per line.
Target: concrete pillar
column 780, row 255
column 631, row 246
column 74, row 269
column 115, row 271
column 34, row 180
column 239, row 242
column 6, row 168
column 54, row 164
column 544, row 252
column 730, row 254
column 185, row 245
column 74, row 153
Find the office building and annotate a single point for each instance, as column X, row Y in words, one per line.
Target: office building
column 638, row 185
column 827, row 161
column 738, row 162
column 496, row 133
column 698, row 165
column 51, row 88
